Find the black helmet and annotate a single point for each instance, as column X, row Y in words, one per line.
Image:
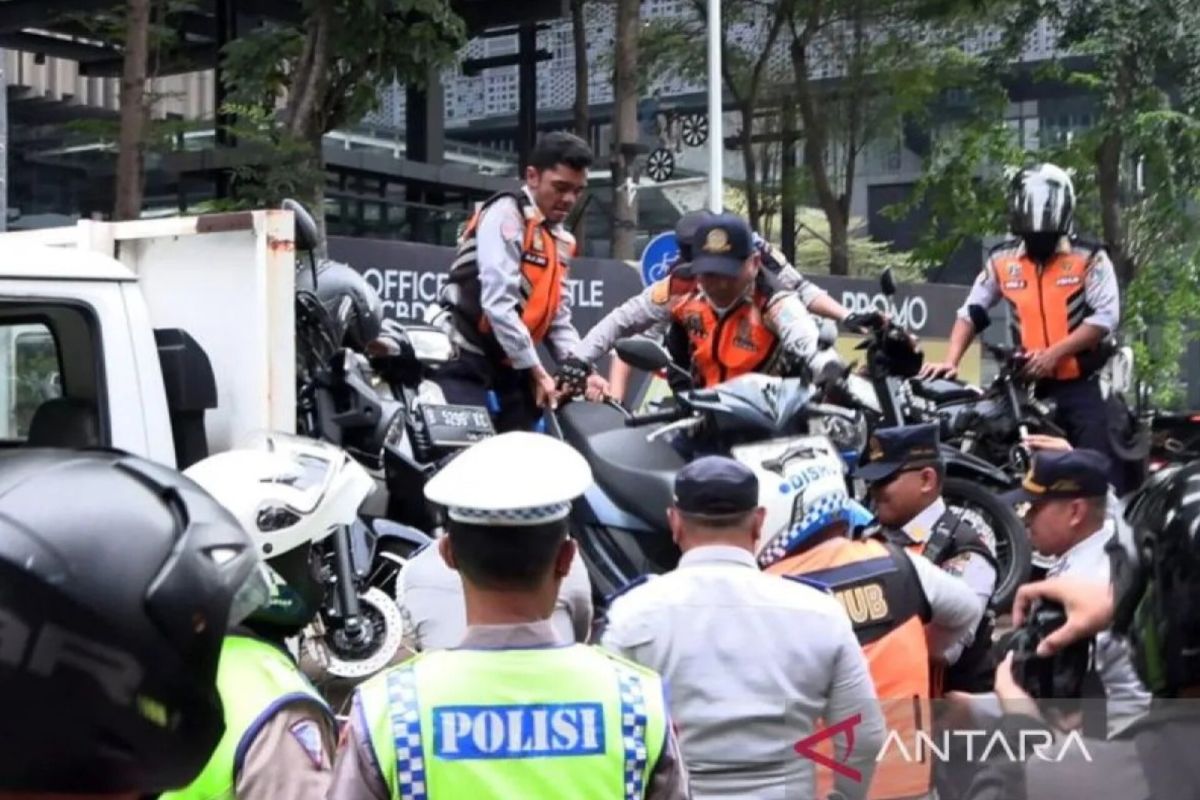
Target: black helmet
column 354, row 307
column 117, row 581
column 1041, row 199
column 685, row 232
column 1156, row 587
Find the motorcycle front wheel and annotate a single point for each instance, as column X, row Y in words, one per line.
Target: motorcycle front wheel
column 1001, row 529
column 385, row 636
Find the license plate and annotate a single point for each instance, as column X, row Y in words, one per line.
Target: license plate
column 457, row 426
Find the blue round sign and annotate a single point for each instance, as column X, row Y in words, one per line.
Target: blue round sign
column 660, row 253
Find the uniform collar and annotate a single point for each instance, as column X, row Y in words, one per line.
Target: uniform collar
column 521, row 635
column 919, row 528
column 537, row 215
column 1093, row 541
column 718, row 554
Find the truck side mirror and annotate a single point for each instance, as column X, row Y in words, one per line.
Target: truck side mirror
column 191, row 389
column 307, row 236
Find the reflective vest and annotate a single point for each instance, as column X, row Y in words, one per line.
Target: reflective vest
column 880, row 590
column 544, row 258
column 256, row 680
column 723, row 348
column 573, row 723
column 1047, row 303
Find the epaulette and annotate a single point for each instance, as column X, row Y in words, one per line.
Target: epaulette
column 638, row 581
column 823, row 588
column 1087, row 245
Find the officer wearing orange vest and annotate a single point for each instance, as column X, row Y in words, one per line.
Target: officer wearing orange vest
column 1064, row 300
column 507, row 289
column 904, row 611
column 736, row 320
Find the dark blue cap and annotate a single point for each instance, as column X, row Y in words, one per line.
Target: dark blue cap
column 716, row 486
column 890, row 450
column 1063, row 476
column 721, row 246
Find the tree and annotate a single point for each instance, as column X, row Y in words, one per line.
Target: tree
column 625, row 128
column 128, row 200
column 329, row 69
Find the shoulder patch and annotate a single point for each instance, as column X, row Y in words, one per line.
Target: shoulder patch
column 1086, row 245
column 307, row 734
column 633, row 584
column 823, row 588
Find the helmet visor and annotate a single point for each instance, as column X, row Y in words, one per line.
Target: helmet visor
column 253, row 594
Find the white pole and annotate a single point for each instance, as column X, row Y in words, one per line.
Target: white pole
column 716, row 135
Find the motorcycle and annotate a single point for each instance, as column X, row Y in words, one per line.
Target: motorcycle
column 889, row 395
column 775, row 426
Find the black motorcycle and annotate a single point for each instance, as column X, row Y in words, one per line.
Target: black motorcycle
column 775, row 426
column 890, row 395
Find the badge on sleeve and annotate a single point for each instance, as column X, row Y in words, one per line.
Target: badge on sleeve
column 510, row 229
column 660, row 293
column 308, row 734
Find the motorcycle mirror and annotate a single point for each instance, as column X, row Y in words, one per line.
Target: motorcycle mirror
column 643, row 354
column 887, row 283
column 307, row 237
column 980, row 318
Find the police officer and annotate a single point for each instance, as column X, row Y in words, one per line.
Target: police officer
column 905, row 613
column 507, row 289
column 904, row 473
column 1064, row 299
column 118, row 578
column 430, row 596
column 280, row 734
column 650, row 311
column 1068, row 518
column 513, row 711
column 753, row 660
column 1151, row 603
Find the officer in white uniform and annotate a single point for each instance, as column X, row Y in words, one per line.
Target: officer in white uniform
column 430, row 597
column 752, row 660
column 1070, row 517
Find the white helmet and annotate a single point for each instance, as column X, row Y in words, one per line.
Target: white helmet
column 286, row 491
column 819, row 504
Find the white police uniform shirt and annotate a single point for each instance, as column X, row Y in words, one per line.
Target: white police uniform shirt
column 356, row 773
column 751, row 661
column 1128, row 699
column 430, row 597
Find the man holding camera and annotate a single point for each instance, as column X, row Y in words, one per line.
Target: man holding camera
column 1152, row 600
column 1068, row 518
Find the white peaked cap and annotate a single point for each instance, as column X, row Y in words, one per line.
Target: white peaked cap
column 514, row 479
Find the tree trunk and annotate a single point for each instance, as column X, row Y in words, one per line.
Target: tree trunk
column 131, row 139
column 816, row 137
column 750, row 165
column 579, row 33
column 1108, row 180
column 625, row 124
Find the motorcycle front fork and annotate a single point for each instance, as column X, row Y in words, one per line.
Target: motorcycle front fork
column 345, row 593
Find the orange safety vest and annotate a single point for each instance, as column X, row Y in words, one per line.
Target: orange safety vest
column 1047, row 303
column 723, row 348
column 887, row 607
column 544, row 267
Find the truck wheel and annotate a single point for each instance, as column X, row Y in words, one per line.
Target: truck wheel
column 1002, row 531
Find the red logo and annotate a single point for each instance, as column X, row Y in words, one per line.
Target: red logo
column 806, row 747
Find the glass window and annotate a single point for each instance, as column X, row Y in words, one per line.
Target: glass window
column 31, row 374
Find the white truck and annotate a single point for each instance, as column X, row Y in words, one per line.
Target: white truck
column 174, row 339
column 167, row 338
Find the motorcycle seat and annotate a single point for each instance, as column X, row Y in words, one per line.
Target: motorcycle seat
column 944, row 391
column 638, row 475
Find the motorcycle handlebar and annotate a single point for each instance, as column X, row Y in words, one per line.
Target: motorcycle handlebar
column 654, row 417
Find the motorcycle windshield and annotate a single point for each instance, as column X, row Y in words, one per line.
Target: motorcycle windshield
column 758, row 405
